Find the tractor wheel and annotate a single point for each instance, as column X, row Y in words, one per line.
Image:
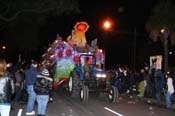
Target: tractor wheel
column 73, row 84
column 113, row 94
column 84, row 94
column 87, row 93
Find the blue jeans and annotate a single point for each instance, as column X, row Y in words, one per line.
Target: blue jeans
column 168, row 100
column 42, row 101
column 31, row 98
column 18, row 91
column 158, row 96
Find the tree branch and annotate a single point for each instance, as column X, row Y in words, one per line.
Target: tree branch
column 6, row 19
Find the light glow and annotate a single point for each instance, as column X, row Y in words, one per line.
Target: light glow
column 162, row 30
column 107, row 25
column 3, row 47
column 101, row 75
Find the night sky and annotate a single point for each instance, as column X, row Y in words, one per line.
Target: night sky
column 127, row 16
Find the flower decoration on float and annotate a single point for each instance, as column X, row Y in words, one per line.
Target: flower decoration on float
column 68, row 52
column 60, row 54
column 76, row 59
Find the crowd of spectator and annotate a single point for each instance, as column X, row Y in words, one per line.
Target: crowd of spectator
column 148, row 82
column 27, row 83
column 30, row 82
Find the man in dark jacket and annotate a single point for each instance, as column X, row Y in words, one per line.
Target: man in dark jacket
column 30, row 78
column 159, row 84
column 19, row 78
column 43, row 86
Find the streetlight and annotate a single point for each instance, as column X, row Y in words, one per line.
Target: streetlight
column 3, row 47
column 162, row 30
column 107, row 24
column 165, row 34
column 3, row 50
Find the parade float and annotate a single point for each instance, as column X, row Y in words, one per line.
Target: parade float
column 67, row 58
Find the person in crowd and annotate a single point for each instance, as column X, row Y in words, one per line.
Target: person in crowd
column 159, row 84
column 98, row 67
column 45, row 66
column 31, row 75
column 127, row 79
column 86, row 67
column 24, row 97
column 30, row 78
column 138, row 79
column 142, row 84
column 147, row 81
column 6, row 89
column 132, row 81
column 51, row 91
column 152, row 83
column 19, row 78
column 42, row 87
column 170, row 91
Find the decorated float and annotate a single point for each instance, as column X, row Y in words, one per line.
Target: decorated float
column 67, row 58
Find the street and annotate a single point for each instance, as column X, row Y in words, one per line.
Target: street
column 64, row 105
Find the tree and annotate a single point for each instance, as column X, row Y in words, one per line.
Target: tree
column 161, row 25
column 10, row 10
column 21, row 20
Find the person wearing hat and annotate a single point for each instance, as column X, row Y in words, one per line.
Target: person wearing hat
column 43, row 86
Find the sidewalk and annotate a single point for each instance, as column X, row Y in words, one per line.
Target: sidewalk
column 150, row 101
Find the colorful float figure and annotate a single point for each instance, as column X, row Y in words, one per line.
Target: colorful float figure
column 78, row 35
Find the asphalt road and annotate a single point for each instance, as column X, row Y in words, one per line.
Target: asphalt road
column 64, row 105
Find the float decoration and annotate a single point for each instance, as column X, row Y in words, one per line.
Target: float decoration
column 63, row 55
column 78, row 35
column 68, row 52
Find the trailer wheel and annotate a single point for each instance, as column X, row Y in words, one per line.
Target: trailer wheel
column 73, row 84
column 84, row 94
column 113, row 94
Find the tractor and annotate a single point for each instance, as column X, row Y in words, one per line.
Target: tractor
column 96, row 82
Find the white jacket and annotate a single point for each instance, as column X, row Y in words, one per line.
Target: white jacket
column 170, row 85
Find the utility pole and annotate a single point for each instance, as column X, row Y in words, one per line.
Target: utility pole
column 134, row 48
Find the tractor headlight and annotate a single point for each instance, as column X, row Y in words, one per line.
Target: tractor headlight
column 101, row 75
